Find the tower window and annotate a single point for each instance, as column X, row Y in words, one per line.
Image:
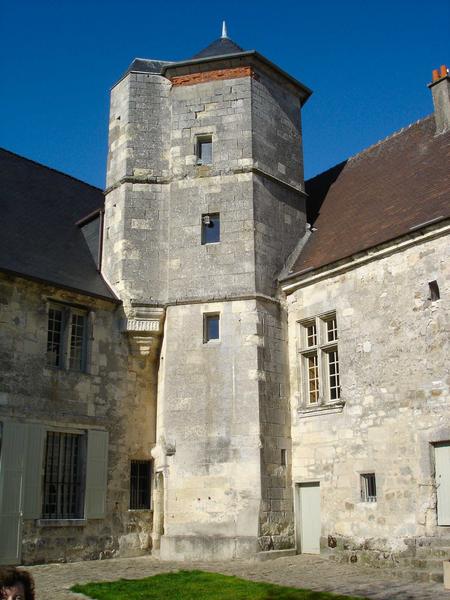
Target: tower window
column 434, row 291
column 211, row 228
column 204, row 150
column 368, row 487
column 211, row 329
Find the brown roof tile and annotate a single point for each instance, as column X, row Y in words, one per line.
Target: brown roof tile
column 378, row 195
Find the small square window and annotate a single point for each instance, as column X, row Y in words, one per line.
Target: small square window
column 140, row 477
column 210, row 328
column 368, row 487
column 204, row 150
column 210, row 228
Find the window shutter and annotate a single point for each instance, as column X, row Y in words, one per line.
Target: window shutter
column 32, row 502
column 13, row 444
column 96, row 474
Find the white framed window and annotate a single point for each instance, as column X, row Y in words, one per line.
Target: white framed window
column 319, row 360
column 368, row 487
column 67, row 329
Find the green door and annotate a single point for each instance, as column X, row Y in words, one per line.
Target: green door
column 12, row 458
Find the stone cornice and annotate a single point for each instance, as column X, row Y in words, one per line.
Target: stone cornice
column 156, row 180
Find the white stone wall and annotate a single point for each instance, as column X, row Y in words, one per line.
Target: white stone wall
column 393, row 349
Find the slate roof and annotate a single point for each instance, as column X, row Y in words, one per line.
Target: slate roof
column 219, row 47
column 40, row 239
column 378, row 195
column 147, row 65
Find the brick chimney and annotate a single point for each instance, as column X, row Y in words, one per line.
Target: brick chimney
column 440, row 90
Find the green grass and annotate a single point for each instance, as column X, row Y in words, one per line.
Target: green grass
column 198, row 585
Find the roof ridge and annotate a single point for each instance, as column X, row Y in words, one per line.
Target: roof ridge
column 371, row 147
column 51, row 169
column 388, row 138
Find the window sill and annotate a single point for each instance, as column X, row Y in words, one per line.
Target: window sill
column 322, row 409
column 140, row 510
column 52, row 369
column 61, row 522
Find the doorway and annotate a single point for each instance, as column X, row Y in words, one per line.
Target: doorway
column 308, row 518
column 442, row 475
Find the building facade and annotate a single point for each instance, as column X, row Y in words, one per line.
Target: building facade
column 192, row 369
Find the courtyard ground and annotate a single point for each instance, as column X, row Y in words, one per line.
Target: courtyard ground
column 311, row 572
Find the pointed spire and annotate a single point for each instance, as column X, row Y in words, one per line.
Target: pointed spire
column 224, row 31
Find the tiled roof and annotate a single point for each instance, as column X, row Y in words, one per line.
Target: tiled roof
column 378, row 195
column 40, row 239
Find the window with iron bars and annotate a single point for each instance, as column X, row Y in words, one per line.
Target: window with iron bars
column 320, row 360
column 67, row 337
column 63, row 493
column 140, row 484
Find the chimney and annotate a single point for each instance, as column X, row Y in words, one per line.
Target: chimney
column 440, row 90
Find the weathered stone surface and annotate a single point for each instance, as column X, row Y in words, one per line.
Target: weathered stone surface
column 117, row 393
column 393, row 348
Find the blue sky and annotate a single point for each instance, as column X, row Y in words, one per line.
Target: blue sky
column 368, row 64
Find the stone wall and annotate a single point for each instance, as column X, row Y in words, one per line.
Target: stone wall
column 117, row 393
column 277, row 511
column 393, row 348
column 208, row 417
column 277, row 131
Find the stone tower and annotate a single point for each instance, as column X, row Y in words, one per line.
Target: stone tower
column 205, row 202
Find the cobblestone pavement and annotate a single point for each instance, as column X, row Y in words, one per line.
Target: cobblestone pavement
column 312, row 572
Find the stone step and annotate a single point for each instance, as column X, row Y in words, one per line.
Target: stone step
column 429, row 563
column 417, row 575
column 433, row 542
column 437, row 551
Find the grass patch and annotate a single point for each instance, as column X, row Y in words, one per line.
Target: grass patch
column 198, row 585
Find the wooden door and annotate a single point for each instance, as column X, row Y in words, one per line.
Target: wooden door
column 308, row 518
column 442, row 461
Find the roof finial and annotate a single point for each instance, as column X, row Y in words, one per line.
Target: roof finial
column 224, row 30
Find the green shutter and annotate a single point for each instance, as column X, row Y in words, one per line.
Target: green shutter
column 13, row 446
column 32, row 502
column 96, row 474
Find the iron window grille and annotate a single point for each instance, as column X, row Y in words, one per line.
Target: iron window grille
column 63, row 493
column 67, row 337
column 368, row 487
column 320, row 360
column 140, row 484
